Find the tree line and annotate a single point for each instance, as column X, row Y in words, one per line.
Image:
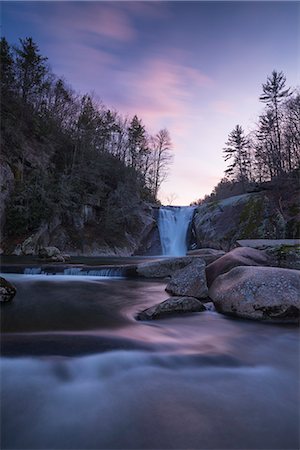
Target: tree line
column 269, row 152
column 273, row 148
column 87, row 149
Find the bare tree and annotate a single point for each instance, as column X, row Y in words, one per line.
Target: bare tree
column 162, row 158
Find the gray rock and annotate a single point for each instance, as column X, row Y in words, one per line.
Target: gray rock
column 189, row 281
column 240, row 256
column 208, row 255
column 163, row 268
column 221, row 223
column 7, row 290
column 261, row 293
column 173, row 305
column 7, row 182
column 49, row 252
column 286, row 256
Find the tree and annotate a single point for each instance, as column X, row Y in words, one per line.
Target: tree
column 137, row 143
column 31, row 71
column 274, row 93
column 291, row 131
column 6, row 67
column 162, row 158
column 237, row 150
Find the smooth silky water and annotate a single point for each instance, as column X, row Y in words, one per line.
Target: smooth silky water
column 79, row 372
column 173, row 225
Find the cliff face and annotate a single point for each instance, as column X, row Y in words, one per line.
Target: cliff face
column 82, row 233
column 262, row 215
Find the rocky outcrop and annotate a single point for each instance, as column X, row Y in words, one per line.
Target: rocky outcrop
column 261, row 293
column 163, row 268
column 189, row 281
column 249, row 216
column 52, row 254
column 82, row 235
column 171, row 306
column 7, row 182
column 7, row 290
column 240, row 256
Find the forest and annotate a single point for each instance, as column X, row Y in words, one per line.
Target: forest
column 67, row 150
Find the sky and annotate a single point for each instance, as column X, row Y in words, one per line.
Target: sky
column 195, row 68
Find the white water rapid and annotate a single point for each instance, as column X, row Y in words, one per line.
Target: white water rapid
column 173, row 225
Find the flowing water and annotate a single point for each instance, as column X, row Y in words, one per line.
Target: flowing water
column 79, row 372
column 173, row 225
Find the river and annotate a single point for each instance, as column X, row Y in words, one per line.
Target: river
column 79, row 372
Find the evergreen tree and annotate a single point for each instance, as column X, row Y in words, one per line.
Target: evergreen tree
column 137, row 142
column 237, row 150
column 274, row 93
column 31, row 71
column 7, row 70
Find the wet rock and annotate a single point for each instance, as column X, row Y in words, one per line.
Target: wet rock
column 171, row 306
column 240, row 256
column 189, row 281
column 261, row 293
column 7, row 290
column 163, row 268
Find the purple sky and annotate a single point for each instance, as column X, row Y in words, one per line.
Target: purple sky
column 193, row 67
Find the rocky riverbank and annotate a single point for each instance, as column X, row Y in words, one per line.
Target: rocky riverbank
column 242, row 283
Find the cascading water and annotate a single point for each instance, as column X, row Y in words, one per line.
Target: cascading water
column 173, row 225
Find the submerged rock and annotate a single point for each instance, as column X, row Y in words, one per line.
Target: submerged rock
column 173, row 305
column 262, row 293
column 189, row 281
column 240, row 256
column 7, row 290
column 163, row 268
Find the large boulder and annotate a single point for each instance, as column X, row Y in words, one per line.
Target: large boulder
column 207, row 254
column 240, row 256
column 189, row 281
column 262, row 293
column 163, row 268
column 171, row 306
column 7, row 290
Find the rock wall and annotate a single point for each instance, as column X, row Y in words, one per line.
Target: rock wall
column 248, row 216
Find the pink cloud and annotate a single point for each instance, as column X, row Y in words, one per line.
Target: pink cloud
column 69, row 19
column 162, row 88
column 223, row 107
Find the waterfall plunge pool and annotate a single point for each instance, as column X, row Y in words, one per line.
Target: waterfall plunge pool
column 79, row 372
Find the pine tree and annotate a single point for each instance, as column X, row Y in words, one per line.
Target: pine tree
column 31, row 71
column 137, row 142
column 7, row 70
column 274, row 93
column 237, row 150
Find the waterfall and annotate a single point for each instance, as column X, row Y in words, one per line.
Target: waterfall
column 173, row 225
